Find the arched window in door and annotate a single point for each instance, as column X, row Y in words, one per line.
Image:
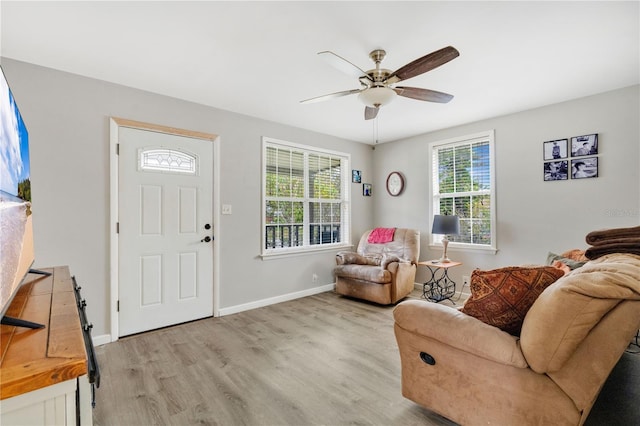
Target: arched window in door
column 168, row 160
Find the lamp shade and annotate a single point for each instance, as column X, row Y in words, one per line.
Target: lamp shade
column 445, row 225
column 377, row 96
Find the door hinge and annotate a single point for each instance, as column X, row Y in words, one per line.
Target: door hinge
column 117, row 306
column 117, row 227
column 117, row 149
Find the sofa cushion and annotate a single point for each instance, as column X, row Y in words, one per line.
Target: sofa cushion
column 569, row 309
column 373, row 259
column 364, row 272
column 502, row 297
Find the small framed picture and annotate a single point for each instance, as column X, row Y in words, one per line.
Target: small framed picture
column 584, row 145
column 556, row 170
column 584, row 168
column 554, row 150
column 356, row 176
column 366, row 189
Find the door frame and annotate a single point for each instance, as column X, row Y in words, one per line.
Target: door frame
column 114, row 126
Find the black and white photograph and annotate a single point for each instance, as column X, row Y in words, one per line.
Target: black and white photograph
column 555, row 150
column 584, row 168
column 366, row 189
column 356, row 176
column 556, row 170
column 584, row 145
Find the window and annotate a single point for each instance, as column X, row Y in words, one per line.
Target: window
column 305, row 198
column 167, row 160
column 463, row 185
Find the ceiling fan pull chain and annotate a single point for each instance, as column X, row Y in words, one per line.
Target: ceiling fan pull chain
column 375, row 130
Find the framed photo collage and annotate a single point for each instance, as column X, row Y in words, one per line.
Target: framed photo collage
column 575, row 158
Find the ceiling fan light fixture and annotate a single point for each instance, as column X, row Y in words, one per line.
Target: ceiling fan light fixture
column 377, row 96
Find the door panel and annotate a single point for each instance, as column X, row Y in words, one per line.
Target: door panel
column 165, row 201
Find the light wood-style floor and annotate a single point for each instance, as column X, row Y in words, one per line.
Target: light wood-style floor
column 320, row 360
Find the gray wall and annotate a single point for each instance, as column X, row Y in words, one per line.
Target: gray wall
column 533, row 216
column 68, row 121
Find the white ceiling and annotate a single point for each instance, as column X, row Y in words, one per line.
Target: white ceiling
column 260, row 58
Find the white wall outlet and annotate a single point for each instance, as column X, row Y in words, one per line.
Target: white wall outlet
column 226, row 209
column 465, row 280
column 314, row 278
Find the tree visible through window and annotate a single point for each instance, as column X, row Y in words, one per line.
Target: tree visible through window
column 305, row 196
column 463, row 186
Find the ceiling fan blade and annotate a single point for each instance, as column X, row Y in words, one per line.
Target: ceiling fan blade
column 331, row 96
column 343, row 65
column 423, row 94
column 370, row 113
column 424, row 64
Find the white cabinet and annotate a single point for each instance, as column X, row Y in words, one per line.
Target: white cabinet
column 44, row 373
column 53, row 405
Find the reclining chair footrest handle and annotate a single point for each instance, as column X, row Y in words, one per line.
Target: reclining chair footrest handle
column 428, row 359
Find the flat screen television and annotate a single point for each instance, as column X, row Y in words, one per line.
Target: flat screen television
column 16, row 216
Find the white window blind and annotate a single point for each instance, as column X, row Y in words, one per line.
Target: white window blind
column 305, row 197
column 463, row 185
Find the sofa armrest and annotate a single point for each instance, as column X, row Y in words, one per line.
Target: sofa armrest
column 388, row 259
column 345, row 257
column 353, row 258
column 459, row 330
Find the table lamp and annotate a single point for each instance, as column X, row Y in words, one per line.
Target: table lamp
column 445, row 225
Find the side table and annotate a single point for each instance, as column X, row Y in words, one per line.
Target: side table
column 439, row 286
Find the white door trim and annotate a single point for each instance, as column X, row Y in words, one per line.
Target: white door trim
column 115, row 124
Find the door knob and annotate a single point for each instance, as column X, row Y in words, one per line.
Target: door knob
column 206, row 239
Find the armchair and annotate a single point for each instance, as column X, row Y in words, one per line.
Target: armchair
column 382, row 273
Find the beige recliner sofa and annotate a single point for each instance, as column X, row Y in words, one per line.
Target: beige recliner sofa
column 571, row 338
column 381, row 273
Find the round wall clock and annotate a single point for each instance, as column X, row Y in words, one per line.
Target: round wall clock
column 395, row 183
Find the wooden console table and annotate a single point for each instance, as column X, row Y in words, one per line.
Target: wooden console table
column 44, row 372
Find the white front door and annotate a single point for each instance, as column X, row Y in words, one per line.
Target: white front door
column 165, row 229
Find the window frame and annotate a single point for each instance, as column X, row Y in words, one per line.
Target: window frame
column 434, row 197
column 345, row 189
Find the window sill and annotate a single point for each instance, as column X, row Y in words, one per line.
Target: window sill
column 465, row 248
column 294, row 252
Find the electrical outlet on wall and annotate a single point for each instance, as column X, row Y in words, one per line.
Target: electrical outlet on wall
column 465, row 280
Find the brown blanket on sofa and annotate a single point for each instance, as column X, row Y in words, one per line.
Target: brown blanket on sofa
column 620, row 245
column 616, row 240
column 607, row 235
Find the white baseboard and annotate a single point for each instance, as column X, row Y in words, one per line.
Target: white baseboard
column 101, row 340
column 106, row 338
column 277, row 299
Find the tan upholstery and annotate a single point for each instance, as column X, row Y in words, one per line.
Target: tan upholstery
column 382, row 273
column 572, row 337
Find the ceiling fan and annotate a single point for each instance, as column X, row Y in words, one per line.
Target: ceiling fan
column 378, row 86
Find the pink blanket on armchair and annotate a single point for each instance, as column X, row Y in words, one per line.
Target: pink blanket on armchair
column 381, row 235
